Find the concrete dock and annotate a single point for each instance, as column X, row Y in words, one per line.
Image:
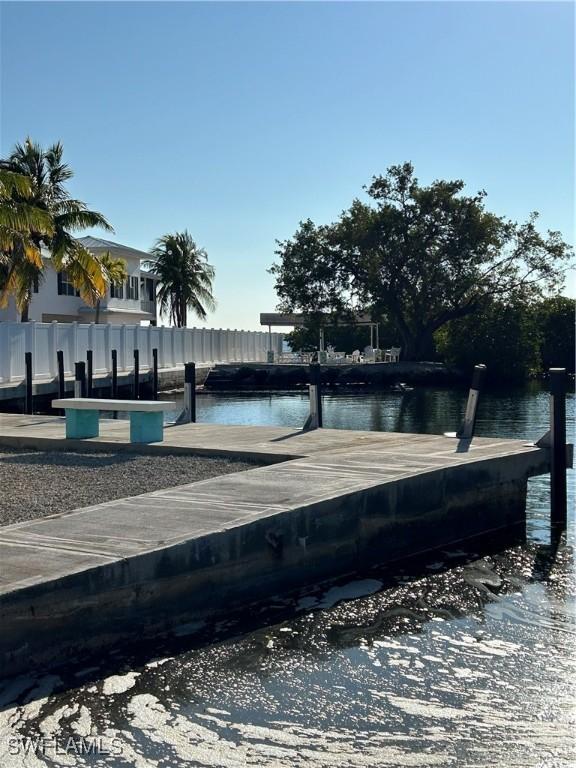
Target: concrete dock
column 329, row 502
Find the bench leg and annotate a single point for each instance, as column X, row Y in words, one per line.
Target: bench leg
column 146, row 427
column 81, row 424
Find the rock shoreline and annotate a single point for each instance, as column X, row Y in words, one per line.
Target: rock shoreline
column 290, row 376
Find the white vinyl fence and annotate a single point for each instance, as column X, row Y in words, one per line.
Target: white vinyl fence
column 175, row 346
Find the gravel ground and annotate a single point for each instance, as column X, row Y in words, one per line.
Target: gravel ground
column 38, row 483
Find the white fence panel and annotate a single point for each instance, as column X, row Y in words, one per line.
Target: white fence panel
column 100, row 352
column 175, row 346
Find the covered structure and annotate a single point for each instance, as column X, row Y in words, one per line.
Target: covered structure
column 299, row 319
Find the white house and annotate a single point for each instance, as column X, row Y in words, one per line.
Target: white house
column 55, row 298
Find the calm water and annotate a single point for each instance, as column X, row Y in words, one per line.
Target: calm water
column 467, row 661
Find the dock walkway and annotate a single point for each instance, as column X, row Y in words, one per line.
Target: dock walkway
column 328, row 502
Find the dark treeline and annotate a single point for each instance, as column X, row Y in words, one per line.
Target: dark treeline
column 445, row 278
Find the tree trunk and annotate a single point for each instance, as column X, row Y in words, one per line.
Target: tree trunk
column 97, row 318
column 418, row 346
column 25, row 315
column 183, row 312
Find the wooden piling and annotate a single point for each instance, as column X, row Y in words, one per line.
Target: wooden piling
column 190, row 390
column 466, row 431
column 80, row 379
column 89, row 372
column 136, row 383
column 61, row 379
column 28, row 406
column 114, row 374
column 558, row 501
column 155, row 374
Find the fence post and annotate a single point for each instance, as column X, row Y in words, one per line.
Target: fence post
column 89, row 372
column 154, row 374
column 74, row 340
column 28, row 365
column 558, row 502
column 136, row 389
column 107, row 345
column 123, row 347
column 80, row 379
column 52, row 345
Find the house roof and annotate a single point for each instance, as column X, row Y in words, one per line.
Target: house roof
column 99, row 244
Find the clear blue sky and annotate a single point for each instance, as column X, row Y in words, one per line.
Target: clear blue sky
column 237, row 120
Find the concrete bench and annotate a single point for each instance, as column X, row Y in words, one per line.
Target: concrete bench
column 146, row 417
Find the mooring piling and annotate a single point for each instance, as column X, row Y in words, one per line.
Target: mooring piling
column 190, row 391
column 155, row 374
column 28, row 406
column 314, row 420
column 136, row 389
column 89, row 372
column 80, row 379
column 114, row 374
column 466, row 431
column 61, row 379
column 558, row 500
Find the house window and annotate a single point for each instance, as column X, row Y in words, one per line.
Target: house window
column 117, row 290
column 65, row 286
column 132, row 288
column 147, row 288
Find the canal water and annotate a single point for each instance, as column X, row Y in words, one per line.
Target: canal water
column 466, row 659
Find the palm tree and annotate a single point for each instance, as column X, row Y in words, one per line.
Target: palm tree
column 19, row 219
column 47, row 174
column 185, row 277
column 114, row 271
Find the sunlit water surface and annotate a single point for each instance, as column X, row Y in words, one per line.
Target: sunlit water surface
column 468, row 662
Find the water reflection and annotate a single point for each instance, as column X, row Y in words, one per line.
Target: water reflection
column 465, row 660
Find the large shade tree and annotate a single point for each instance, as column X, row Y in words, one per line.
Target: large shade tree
column 420, row 255
column 47, row 195
column 185, row 275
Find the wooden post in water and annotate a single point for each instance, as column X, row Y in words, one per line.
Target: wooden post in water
column 558, row 502
column 61, row 379
column 466, row 431
column 136, row 392
column 89, row 372
column 28, row 405
column 80, row 379
column 314, row 420
column 114, row 374
column 154, row 374
column 190, row 391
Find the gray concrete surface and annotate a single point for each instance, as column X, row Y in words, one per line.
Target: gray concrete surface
column 132, row 568
column 39, row 483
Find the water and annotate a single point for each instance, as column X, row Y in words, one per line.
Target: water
column 467, row 660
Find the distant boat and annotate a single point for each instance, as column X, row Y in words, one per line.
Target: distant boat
column 401, row 387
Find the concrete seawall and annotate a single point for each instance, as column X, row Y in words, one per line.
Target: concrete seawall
column 12, row 395
column 137, row 568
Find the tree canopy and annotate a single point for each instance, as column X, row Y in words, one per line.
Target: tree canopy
column 421, row 256
column 185, row 277
column 42, row 214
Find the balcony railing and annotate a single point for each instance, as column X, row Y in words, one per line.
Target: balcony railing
column 147, row 305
